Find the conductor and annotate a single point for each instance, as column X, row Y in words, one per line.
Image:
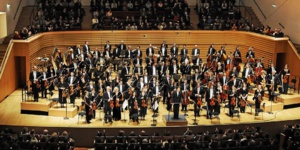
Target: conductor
column 176, row 102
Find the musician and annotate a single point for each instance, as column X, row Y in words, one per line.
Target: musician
column 97, row 54
column 234, row 82
column 62, row 91
column 153, row 70
column 237, row 55
column 250, row 54
column 116, row 109
column 142, row 101
column 72, row 79
column 162, row 69
column 139, row 86
column 243, row 98
column 155, row 91
column 77, row 50
column 149, row 61
column 258, row 98
column 122, row 46
column 285, row 76
column 197, row 96
column 211, row 50
column 129, row 53
column 187, row 68
column 176, row 99
column 150, row 50
column 72, row 94
column 83, row 83
column 147, row 78
column 163, row 51
column 138, row 69
column 210, row 93
column 185, row 87
column 88, row 109
column 116, row 54
column 45, row 82
column 137, row 60
column 125, row 71
column 174, row 51
column 234, row 72
column 51, row 74
column 174, row 68
column 138, row 53
column 107, row 47
column 100, row 85
column 70, row 56
column 184, row 53
column 107, row 97
column 232, row 99
column 86, row 48
column 107, row 53
column 98, row 73
column 134, row 106
column 90, row 86
column 222, row 51
column 99, row 98
column 58, row 58
column 196, row 51
column 123, row 89
column 164, row 44
column 247, row 73
column 198, row 62
column 271, row 68
column 35, row 83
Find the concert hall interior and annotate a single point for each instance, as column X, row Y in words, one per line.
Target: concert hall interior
column 150, row 87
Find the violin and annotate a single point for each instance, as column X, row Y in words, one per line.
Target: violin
column 78, row 87
column 232, row 102
column 285, row 79
column 71, row 90
column 259, row 99
column 144, row 103
column 38, row 84
column 212, row 102
column 94, row 106
column 199, row 101
column 46, row 84
column 185, row 96
column 64, row 94
column 249, row 81
column 117, row 103
column 243, row 103
column 135, row 106
column 130, row 92
column 111, row 104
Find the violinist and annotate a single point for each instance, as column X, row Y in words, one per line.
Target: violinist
column 51, row 74
column 117, row 108
column 185, row 87
column 183, row 53
column 176, row 100
column 174, row 51
column 150, row 50
column 45, row 82
column 162, row 69
column 142, row 101
column 170, row 88
column 232, row 101
column 88, row 109
column 210, row 93
column 125, row 71
column 272, row 84
column 155, row 91
column 243, row 98
column 107, row 97
column 90, row 86
column 224, row 82
column 234, row 82
column 222, row 53
column 211, row 51
column 219, row 90
column 285, row 76
column 93, row 95
column 237, row 55
column 250, row 54
column 134, row 107
column 198, row 63
column 72, row 94
column 99, row 85
column 197, row 96
column 258, row 98
column 98, row 73
column 83, row 81
column 34, row 78
column 234, row 72
column 62, row 90
column 123, row 89
column 247, row 73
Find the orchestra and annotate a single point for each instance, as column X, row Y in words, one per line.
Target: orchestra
column 104, row 79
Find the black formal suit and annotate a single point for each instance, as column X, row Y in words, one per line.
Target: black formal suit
column 149, row 61
column 106, row 53
column 250, row 53
column 186, row 69
column 195, row 99
column 44, row 79
column 221, row 52
column 33, row 76
column 238, row 56
column 97, row 53
column 234, row 82
column 138, row 70
column 163, row 51
column 107, row 47
column 149, row 50
column 208, row 96
column 125, row 71
column 176, row 97
column 211, row 51
column 116, row 52
column 138, row 61
column 107, row 97
column 122, row 47
column 223, row 80
column 174, row 69
column 86, row 49
column 196, row 51
column 128, row 54
column 174, row 50
column 153, row 70
column 250, row 72
column 139, row 53
column 162, row 69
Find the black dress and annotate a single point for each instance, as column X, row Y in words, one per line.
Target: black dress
column 244, row 92
column 117, row 109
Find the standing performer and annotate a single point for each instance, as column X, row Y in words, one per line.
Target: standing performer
column 285, row 76
column 88, row 108
column 116, row 110
column 108, row 104
column 197, row 96
column 35, row 83
column 62, row 91
column 258, row 98
column 232, row 100
column 209, row 96
column 243, row 98
column 142, row 101
column 176, row 99
column 185, row 87
column 44, row 84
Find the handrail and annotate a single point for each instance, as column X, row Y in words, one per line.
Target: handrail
column 5, row 58
column 246, row 9
column 260, row 9
column 294, row 48
column 17, row 9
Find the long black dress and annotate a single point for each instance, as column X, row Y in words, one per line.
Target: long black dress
column 117, row 109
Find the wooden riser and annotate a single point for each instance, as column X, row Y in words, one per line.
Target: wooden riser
column 43, row 105
column 170, row 122
column 61, row 112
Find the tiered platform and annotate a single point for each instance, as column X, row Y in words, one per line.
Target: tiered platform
column 40, row 108
column 67, row 110
column 170, row 121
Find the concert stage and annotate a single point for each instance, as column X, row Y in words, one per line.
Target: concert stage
column 170, row 121
column 11, row 117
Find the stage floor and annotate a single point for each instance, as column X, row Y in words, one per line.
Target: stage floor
column 10, row 114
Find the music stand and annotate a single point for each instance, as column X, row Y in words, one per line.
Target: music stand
column 176, row 77
column 66, row 117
